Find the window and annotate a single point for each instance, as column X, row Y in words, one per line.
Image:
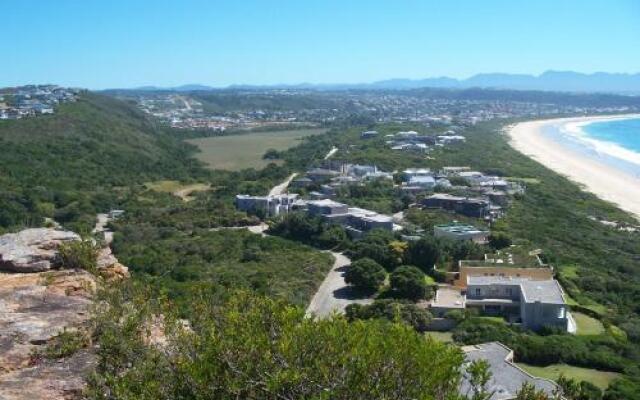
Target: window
column 478, row 292
column 561, row 313
column 509, row 291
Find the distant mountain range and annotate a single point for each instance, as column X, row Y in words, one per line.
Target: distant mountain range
column 563, row 81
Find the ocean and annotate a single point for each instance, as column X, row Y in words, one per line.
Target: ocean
column 615, row 142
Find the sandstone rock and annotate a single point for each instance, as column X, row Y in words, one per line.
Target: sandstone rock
column 109, row 267
column 36, row 307
column 50, row 379
column 32, row 250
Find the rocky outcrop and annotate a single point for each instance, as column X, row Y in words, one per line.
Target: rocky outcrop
column 38, row 301
column 34, row 308
column 32, row 250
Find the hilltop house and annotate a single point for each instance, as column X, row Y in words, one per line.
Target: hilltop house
column 529, row 296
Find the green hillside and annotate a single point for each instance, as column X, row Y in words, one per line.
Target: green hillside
column 61, row 165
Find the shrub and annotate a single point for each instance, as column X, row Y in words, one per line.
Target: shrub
column 365, row 274
column 408, row 282
column 81, row 254
column 392, row 310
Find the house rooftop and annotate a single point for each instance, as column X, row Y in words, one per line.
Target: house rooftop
column 544, row 291
column 460, row 228
column 507, row 378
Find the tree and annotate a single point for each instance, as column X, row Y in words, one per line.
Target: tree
column 499, row 240
column 423, row 253
column 365, row 274
column 529, row 392
column 408, row 282
column 271, row 154
column 478, row 373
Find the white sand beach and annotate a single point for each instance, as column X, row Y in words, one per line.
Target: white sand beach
column 603, row 180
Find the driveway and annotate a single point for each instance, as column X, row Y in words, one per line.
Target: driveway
column 334, row 295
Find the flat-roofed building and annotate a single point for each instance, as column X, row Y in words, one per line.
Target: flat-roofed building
column 270, row 205
column 462, row 232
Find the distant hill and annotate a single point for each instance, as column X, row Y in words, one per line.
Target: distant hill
column 62, row 165
column 560, row 81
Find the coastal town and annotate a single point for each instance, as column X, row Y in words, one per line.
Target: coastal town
column 33, row 100
column 202, row 110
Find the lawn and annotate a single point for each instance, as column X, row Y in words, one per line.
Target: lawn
column 237, row 152
column 445, row 337
column 178, row 189
column 587, row 325
column 598, row 378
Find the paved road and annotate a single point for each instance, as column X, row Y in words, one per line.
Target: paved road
column 282, row 187
column 334, row 294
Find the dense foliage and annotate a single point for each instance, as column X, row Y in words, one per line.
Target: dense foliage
column 365, row 275
column 392, row 310
column 259, row 348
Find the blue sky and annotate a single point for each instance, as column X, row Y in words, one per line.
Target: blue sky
column 117, row 43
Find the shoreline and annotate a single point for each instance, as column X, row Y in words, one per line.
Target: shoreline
column 605, row 181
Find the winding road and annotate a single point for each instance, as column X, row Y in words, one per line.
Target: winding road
column 334, row 295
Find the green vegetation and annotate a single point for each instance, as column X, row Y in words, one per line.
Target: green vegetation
column 392, row 310
column 66, row 343
column 408, row 282
column 183, row 261
column 601, row 379
column 237, row 152
column 587, row 325
column 258, row 348
column 365, row 275
column 181, row 190
column 81, row 254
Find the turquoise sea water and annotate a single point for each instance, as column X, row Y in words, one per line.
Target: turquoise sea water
column 625, row 133
column 615, row 143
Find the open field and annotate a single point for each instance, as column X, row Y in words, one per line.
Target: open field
column 446, row 337
column 587, row 325
column 236, row 152
column 598, row 378
column 176, row 188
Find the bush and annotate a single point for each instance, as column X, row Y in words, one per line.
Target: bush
column 423, row 253
column 392, row 310
column 81, row 254
column 365, row 274
column 258, row 348
column 499, row 240
column 408, row 282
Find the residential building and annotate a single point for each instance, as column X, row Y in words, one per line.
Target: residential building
column 534, row 303
column 321, row 174
column 507, row 378
column 462, row 232
column 471, row 207
column 271, row 206
column 355, row 220
column 368, row 134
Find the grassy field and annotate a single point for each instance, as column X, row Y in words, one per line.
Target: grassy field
column 176, row 188
column 236, row 152
column 587, row 325
column 598, row 378
column 445, row 337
